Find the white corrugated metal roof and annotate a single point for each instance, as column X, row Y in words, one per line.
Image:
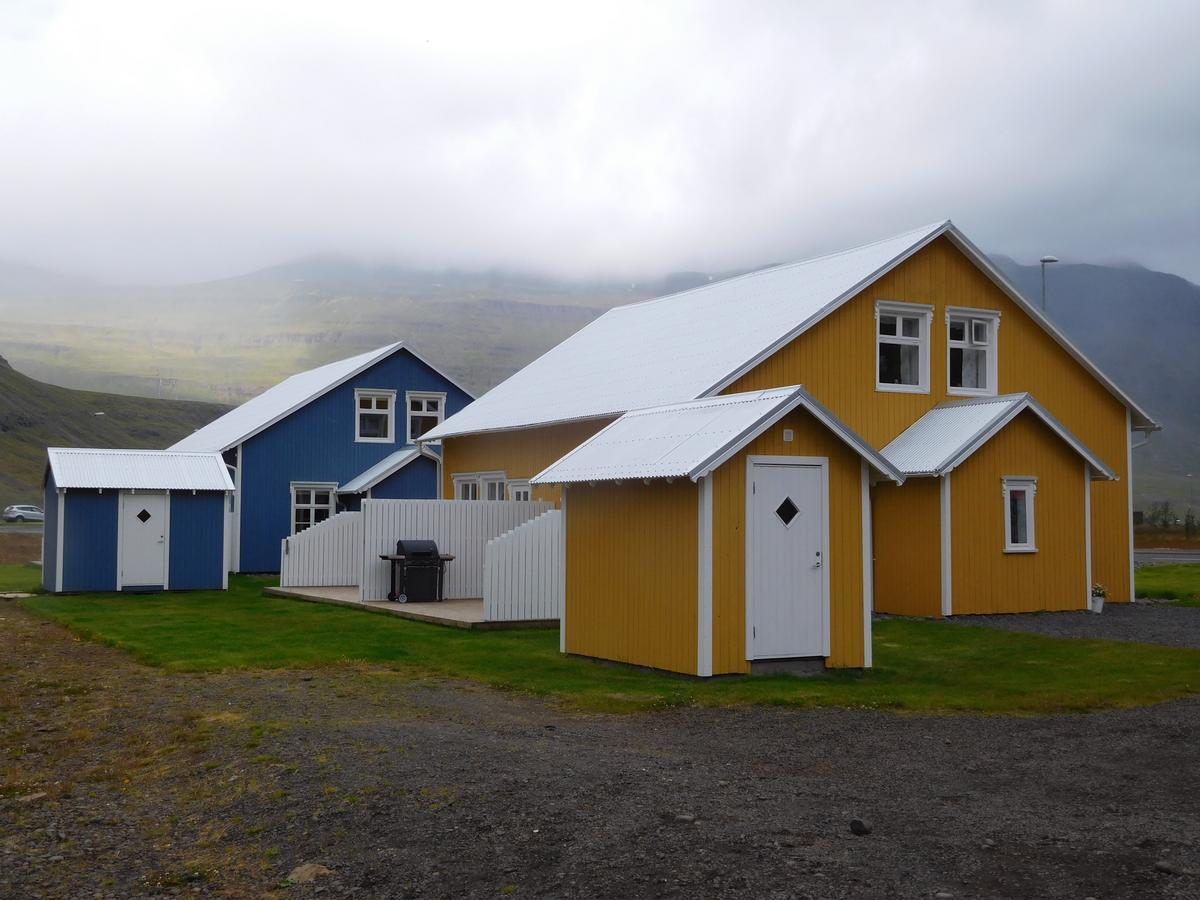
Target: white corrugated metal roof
column 690, row 439
column 393, row 462
column 941, row 439
column 149, row 470
column 286, row 397
column 695, row 343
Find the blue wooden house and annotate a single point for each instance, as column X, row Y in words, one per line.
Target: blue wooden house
column 321, row 441
column 134, row 520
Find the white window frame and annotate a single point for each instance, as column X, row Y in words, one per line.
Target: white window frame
column 1027, row 483
column 409, row 397
column 479, row 482
column 992, row 318
column 922, row 311
column 361, row 393
column 520, row 489
column 330, row 486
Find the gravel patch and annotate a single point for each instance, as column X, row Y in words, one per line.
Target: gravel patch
column 1143, row 622
column 125, row 781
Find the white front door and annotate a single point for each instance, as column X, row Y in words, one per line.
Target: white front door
column 143, row 540
column 786, row 569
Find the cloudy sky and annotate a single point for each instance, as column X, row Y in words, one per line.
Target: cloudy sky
column 151, row 141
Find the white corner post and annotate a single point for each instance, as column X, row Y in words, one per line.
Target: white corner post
column 868, row 564
column 562, row 619
column 1087, row 534
column 704, row 611
column 947, row 545
column 58, row 550
column 1129, row 495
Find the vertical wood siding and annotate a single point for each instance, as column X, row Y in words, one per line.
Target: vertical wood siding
column 329, row 554
column 90, row 554
column 811, row 438
column 632, row 563
column 907, row 545
column 524, row 571
column 988, row 580
column 836, row 361
column 197, row 550
column 519, row 454
column 460, row 527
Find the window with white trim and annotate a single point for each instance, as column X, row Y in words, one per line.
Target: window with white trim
column 902, row 346
column 520, row 490
column 971, row 350
column 312, row 503
column 479, row 485
column 1019, row 532
column 425, row 412
column 374, row 416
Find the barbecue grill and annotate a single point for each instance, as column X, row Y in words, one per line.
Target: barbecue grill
column 418, row 571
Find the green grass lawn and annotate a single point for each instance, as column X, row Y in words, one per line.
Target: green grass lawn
column 1180, row 582
column 919, row 665
column 18, row 577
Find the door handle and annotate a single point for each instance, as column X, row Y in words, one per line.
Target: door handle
column 817, row 564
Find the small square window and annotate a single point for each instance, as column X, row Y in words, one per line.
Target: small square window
column 979, row 332
column 912, row 327
column 374, row 419
column 887, row 325
column 425, row 412
column 958, row 330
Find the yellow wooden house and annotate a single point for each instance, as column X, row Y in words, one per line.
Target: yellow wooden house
column 751, row 467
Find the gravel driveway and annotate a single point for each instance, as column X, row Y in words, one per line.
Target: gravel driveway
column 1147, row 623
column 125, row 781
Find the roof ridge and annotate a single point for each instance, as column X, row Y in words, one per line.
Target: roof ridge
column 795, row 264
column 718, row 400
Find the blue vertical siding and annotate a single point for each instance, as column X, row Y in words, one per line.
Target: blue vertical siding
column 90, row 541
column 316, row 443
column 197, row 552
column 50, row 534
column 417, row 479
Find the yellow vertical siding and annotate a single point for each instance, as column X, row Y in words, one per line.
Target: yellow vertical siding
column 907, row 523
column 985, row 578
column 811, row 438
column 519, row 454
column 632, row 572
column 836, row 361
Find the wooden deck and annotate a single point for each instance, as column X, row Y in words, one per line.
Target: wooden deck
column 452, row 613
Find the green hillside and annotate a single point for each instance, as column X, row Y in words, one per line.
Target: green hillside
column 34, row 416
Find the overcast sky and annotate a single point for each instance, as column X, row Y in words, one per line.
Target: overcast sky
column 168, row 141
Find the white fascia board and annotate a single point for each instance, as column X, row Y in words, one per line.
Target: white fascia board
column 980, row 259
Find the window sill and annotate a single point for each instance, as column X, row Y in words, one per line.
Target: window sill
column 1020, row 549
column 901, row 389
column 969, row 392
column 363, row 440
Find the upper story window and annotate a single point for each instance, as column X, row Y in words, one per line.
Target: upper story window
column 374, row 416
column 1018, row 515
column 425, row 412
column 902, row 346
column 971, row 344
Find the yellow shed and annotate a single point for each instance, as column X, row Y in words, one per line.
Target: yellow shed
column 717, row 535
column 995, row 516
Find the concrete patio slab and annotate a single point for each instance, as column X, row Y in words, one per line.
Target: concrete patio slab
column 453, row 613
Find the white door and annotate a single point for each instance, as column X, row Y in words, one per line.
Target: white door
column 143, row 540
column 786, row 569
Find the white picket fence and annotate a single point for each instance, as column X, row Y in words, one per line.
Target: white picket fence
column 460, row 527
column 326, row 555
column 524, row 571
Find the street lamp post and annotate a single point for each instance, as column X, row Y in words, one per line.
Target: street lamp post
column 1045, row 260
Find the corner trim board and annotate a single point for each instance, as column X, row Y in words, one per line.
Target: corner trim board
column 1087, row 534
column 704, row 612
column 947, row 548
column 58, row 551
column 868, row 562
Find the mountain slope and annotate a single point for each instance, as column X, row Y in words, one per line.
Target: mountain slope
column 34, row 416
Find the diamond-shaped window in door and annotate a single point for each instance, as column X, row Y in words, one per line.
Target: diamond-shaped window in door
column 787, row 510
column 144, row 516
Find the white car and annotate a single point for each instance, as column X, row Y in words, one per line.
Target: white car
column 21, row 512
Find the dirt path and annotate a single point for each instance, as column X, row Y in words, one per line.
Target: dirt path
column 136, row 782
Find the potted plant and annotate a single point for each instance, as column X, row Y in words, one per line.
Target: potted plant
column 1099, row 592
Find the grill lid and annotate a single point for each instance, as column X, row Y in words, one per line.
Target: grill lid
column 417, row 549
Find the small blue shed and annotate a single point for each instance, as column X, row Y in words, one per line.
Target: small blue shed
column 123, row 520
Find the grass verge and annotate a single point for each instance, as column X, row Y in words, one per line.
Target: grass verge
column 17, row 577
column 919, row 665
column 1177, row 582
